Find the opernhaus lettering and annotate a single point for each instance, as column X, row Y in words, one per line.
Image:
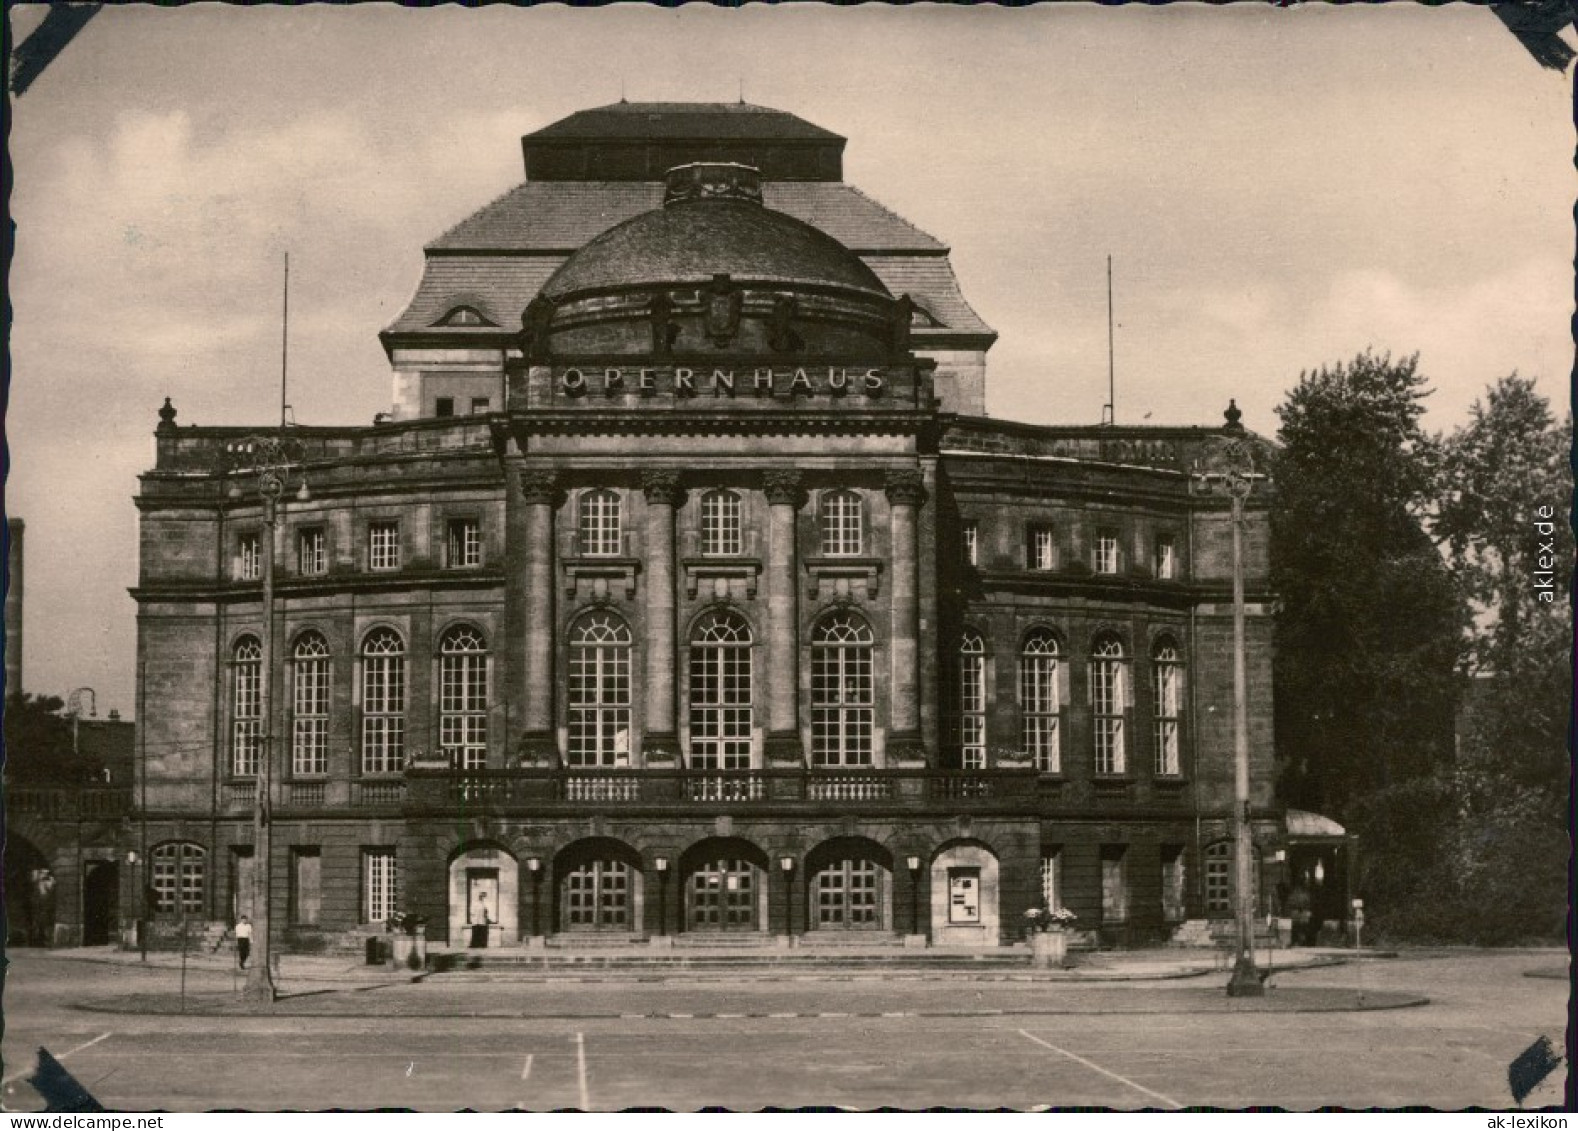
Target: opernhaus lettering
column 762, row 381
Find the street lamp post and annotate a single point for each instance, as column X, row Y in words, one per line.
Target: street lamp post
column 1230, row 466
column 272, row 458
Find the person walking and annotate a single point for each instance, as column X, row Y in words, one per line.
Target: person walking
column 243, row 940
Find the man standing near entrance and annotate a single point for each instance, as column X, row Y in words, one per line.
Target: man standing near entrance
column 243, row 940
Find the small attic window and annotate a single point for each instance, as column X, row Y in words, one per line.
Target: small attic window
column 464, row 316
column 921, row 317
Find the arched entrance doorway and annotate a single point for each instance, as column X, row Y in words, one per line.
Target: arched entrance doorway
column 484, row 897
column 101, row 885
column 725, row 885
column 599, row 886
column 849, row 886
column 29, row 893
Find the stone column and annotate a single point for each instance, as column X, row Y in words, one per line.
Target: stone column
column 660, row 743
column 538, row 743
column 905, row 492
column 783, row 645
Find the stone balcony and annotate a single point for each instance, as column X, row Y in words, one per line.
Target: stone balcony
column 571, row 790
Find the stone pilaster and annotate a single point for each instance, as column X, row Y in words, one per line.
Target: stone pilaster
column 660, row 742
column 538, row 744
column 906, row 492
column 783, row 746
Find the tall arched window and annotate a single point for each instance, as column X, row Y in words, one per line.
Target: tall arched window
column 309, row 715
column 383, row 702
column 972, row 702
column 463, row 697
column 1108, row 700
column 599, row 692
column 721, row 524
column 720, row 693
column 246, row 707
column 1167, row 699
column 1040, row 704
column 843, row 524
column 600, row 524
column 842, row 692
column 179, row 873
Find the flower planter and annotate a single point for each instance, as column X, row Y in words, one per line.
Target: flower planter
column 407, row 952
column 1048, row 949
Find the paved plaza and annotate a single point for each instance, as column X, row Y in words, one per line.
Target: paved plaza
column 354, row 1038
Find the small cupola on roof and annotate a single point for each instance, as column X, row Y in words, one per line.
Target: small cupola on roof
column 714, row 270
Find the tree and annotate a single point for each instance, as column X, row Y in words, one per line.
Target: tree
column 1369, row 623
column 38, row 744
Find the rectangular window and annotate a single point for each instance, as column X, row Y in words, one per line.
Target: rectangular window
column 1114, row 883
column 1167, row 694
column 1106, row 552
column 306, row 884
column 1166, row 557
column 972, row 711
column 481, row 405
column 178, row 875
column 309, row 724
column 383, row 545
column 1173, row 883
column 1040, row 550
column 464, row 543
column 970, row 533
column 312, row 552
column 1109, row 700
column 379, row 880
column 1052, row 877
column 249, row 557
column 445, row 406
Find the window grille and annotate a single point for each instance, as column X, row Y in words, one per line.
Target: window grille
column 720, row 694
column 600, row 523
column 842, row 692
column 463, row 697
column 383, row 545
column 249, row 565
column 972, row 702
column 312, row 552
column 1108, row 701
column 1167, row 697
column 380, row 882
column 843, row 522
column 599, row 692
column 721, row 524
column 1039, row 702
column 383, row 702
column 246, row 708
column 464, row 543
column 309, row 738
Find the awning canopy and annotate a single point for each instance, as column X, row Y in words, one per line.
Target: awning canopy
column 1304, row 826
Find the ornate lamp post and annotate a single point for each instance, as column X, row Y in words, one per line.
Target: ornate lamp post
column 1229, row 466
column 272, row 458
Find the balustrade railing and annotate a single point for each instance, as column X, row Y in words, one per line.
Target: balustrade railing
column 725, row 785
column 372, row 794
column 843, row 786
column 307, row 794
column 56, row 803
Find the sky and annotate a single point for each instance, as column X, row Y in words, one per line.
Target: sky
column 1279, row 189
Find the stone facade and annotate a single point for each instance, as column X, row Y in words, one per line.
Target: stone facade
column 715, row 617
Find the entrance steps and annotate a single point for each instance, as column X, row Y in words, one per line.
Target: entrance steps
column 699, row 957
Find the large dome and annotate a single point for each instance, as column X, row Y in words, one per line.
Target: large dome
column 712, row 223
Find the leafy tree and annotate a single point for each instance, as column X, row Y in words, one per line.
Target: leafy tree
column 38, row 744
column 1369, row 624
column 1515, row 562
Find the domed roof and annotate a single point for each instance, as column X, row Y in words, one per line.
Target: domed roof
column 712, row 222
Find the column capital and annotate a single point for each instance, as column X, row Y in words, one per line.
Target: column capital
column 905, row 486
column 660, row 486
column 782, row 486
column 538, row 485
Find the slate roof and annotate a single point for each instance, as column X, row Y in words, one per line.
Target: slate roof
column 503, row 253
column 563, row 216
column 725, row 121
